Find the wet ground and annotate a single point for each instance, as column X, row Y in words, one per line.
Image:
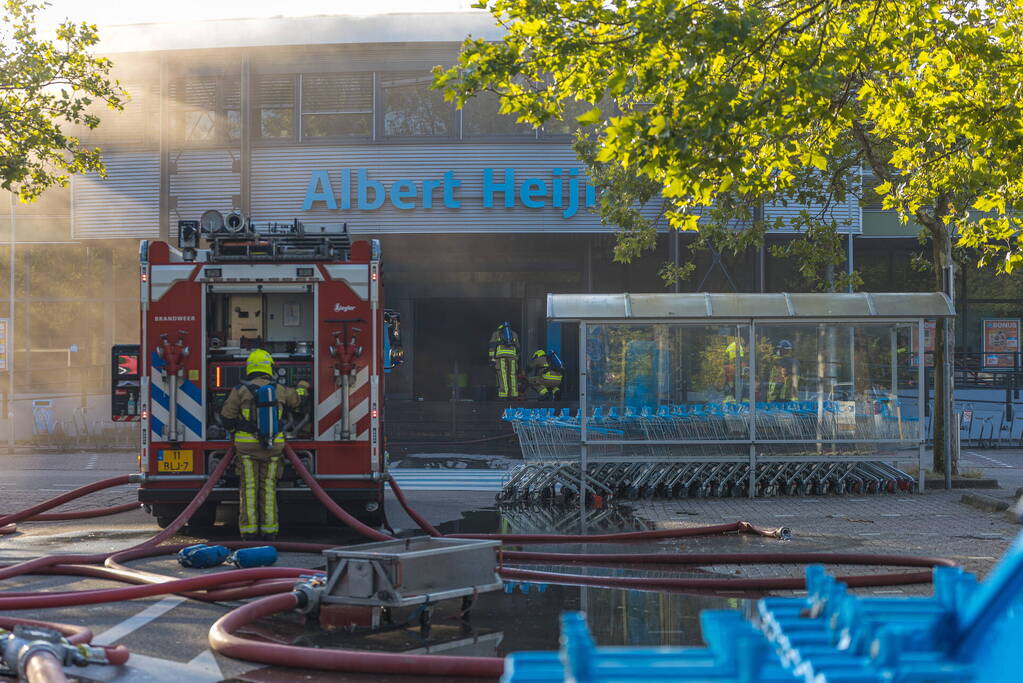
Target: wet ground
column 167, row 635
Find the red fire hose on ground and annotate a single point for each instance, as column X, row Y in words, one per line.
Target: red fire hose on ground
column 276, row 584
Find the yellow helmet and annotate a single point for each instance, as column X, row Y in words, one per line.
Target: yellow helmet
column 259, row 361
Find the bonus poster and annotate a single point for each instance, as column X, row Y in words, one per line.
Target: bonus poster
column 1000, row 343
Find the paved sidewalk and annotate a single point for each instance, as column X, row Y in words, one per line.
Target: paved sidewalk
column 932, row 524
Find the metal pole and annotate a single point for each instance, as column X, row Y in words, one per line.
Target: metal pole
column 849, row 262
column 922, row 394
column 947, row 398
column 752, row 383
column 583, row 419
column 10, row 337
column 894, row 351
column 948, row 370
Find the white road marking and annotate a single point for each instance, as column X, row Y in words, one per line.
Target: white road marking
column 145, row 668
column 205, row 661
column 445, row 479
column 118, row 631
column 997, row 463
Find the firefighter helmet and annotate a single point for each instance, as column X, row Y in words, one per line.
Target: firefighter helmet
column 259, row 361
column 784, row 347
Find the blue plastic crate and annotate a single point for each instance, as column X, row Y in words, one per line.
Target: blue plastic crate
column 966, row 632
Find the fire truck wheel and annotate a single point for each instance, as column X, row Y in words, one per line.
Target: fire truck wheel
column 371, row 519
column 165, row 514
column 205, row 517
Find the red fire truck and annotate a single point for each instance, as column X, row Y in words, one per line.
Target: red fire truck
column 312, row 298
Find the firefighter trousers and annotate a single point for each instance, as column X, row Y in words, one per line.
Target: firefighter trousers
column 257, row 491
column 507, row 371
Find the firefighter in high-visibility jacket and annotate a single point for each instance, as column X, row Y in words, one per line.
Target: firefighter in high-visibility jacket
column 783, row 383
column 258, row 467
column 544, row 374
column 504, row 358
column 732, row 366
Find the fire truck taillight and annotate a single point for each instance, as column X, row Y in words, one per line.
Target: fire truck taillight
column 145, row 414
column 145, row 277
column 376, row 414
column 374, row 276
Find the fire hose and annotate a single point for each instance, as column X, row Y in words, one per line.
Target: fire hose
column 277, row 585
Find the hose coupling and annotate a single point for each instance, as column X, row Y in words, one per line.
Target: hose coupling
column 17, row 647
column 308, row 594
column 136, row 477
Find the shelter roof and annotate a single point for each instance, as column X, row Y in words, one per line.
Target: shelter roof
column 704, row 305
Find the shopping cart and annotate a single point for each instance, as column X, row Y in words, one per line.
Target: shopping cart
column 802, row 444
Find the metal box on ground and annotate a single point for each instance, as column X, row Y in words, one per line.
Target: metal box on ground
column 410, row 571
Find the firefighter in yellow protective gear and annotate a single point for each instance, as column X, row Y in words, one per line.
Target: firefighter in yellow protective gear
column 734, row 353
column 783, row 383
column 258, row 467
column 543, row 375
column 504, row 357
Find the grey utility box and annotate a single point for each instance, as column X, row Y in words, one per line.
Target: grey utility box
column 410, row 571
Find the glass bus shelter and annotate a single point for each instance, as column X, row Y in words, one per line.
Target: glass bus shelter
column 740, row 394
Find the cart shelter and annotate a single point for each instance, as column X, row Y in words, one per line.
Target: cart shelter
column 747, row 394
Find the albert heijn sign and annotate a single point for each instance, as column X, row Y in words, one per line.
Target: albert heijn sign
column 356, row 189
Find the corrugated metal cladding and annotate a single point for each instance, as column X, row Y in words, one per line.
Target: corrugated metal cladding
column 847, row 214
column 125, row 204
column 281, row 175
column 203, row 180
column 364, row 57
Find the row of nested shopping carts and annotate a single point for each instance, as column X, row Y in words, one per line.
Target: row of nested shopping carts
column 796, row 450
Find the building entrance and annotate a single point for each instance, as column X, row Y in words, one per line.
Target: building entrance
column 451, row 345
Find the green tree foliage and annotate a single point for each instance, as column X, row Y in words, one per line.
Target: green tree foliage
column 713, row 108
column 48, row 86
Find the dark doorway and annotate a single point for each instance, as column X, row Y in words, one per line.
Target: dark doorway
column 457, row 331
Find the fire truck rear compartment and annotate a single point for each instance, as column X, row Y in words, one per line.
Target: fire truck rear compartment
column 278, row 322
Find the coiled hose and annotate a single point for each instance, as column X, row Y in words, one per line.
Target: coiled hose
column 273, row 586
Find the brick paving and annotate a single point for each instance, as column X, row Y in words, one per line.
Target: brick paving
column 933, row 524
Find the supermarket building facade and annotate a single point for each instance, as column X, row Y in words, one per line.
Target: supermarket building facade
column 331, row 120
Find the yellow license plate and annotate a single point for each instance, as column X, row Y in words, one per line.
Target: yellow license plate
column 174, row 461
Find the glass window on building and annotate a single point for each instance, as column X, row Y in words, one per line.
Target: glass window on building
column 195, row 100
column 412, row 109
column 871, row 199
column 338, row 105
column 232, row 111
column 567, row 124
column 274, row 108
column 481, row 118
column 204, row 109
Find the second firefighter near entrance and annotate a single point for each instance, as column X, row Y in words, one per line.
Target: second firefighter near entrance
column 504, row 358
column 545, row 373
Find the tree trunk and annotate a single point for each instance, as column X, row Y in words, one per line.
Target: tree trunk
column 940, row 252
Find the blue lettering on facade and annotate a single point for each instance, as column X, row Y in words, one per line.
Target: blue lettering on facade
column 499, row 188
column 319, row 190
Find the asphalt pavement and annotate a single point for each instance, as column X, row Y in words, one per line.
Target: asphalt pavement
column 167, row 635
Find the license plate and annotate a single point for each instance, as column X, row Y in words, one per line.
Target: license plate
column 174, row 461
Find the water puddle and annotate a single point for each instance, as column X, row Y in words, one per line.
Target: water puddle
column 522, row 616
